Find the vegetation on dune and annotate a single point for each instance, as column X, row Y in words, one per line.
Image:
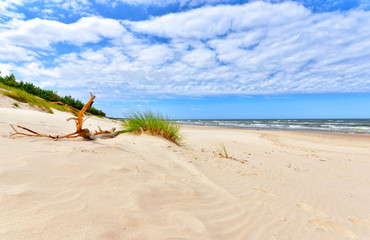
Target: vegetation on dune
column 32, row 100
column 17, row 90
column 222, row 151
column 153, row 124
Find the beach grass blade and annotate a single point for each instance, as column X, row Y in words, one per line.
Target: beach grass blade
column 154, row 124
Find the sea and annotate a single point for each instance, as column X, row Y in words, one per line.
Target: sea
column 349, row 126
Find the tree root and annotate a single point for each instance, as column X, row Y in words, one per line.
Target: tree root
column 80, row 132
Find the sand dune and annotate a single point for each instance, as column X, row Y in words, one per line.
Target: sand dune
column 278, row 185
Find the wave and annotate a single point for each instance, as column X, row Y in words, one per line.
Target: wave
column 354, row 126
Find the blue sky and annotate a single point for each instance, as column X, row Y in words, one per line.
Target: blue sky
column 195, row 58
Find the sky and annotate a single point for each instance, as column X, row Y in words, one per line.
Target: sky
column 193, row 59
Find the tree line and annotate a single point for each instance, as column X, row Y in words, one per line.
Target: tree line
column 48, row 95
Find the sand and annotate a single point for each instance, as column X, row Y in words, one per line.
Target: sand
column 276, row 185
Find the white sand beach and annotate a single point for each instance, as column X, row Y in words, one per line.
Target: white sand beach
column 276, row 185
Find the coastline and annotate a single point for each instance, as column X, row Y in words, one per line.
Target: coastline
column 359, row 126
column 275, row 184
column 318, row 133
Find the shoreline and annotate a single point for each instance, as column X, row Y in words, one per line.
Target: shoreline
column 345, row 126
column 279, row 130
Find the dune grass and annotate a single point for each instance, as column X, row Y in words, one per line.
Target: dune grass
column 23, row 96
column 3, row 86
column 222, row 151
column 154, row 124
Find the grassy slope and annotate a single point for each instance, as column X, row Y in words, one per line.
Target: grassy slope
column 22, row 96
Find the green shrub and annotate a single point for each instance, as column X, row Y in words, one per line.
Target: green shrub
column 10, row 83
column 9, row 80
column 72, row 102
column 95, row 111
column 153, row 124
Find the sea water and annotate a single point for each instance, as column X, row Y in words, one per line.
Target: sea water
column 352, row 126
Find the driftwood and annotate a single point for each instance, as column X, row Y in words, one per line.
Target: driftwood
column 80, row 132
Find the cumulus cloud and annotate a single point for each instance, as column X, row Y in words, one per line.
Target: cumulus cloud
column 42, row 33
column 255, row 48
column 70, row 5
column 270, row 48
column 200, row 58
column 7, row 9
column 5, row 69
column 11, row 53
column 182, row 3
column 211, row 22
column 49, row 8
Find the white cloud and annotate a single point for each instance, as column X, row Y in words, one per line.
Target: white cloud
column 152, row 55
column 200, row 58
column 255, row 48
column 70, row 5
column 49, row 8
column 36, row 69
column 41, row 33
column 211, row 22
column 182, row 3
column 5, row 69
column 16, row 54
column 7, row 8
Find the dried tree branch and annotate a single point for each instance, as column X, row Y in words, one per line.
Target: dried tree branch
column 80, row 132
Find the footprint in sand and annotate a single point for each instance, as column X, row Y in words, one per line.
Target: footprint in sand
column 264, row 191
column 359, row 221
column 311, row 210
column 333, row 227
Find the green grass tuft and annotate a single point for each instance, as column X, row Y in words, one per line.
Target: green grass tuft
column 222, row 151
column 153, row 124
column 16, row 104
